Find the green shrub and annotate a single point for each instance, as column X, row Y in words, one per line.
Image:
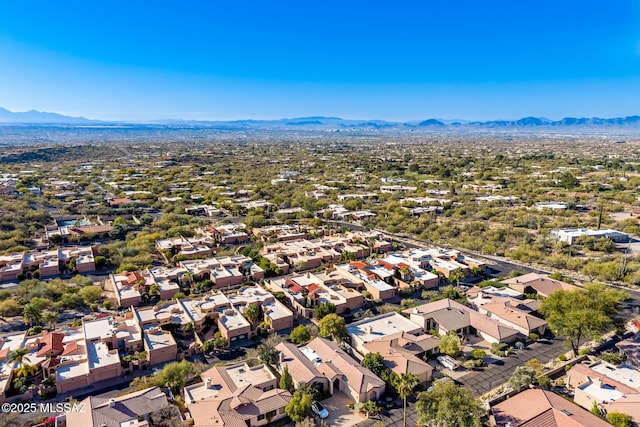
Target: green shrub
column 499, row 349
column 34, row 330
column 544, row 382
column 585, row 351
column 208, row 346
column 478, row 353
column 562, row 358
column 406, row 292
column 613, row 358
column 534, row 337
column 406, row 302
column 469, row 364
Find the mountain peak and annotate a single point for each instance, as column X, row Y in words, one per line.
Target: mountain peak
column 36, row 117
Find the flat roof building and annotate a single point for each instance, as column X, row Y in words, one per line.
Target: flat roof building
column 570, row 235
column 379, row 327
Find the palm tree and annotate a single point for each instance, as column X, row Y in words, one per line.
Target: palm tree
column 51, row 317
column 347, row 256
column 456, row 276
column 405, row 385
column 31, row 315
column 253, row 312
column 20, row 356
column 24, row 370
column 154, row 289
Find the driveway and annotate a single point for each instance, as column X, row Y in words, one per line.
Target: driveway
column 395, row 416
column 339, row 413
column 500, row 369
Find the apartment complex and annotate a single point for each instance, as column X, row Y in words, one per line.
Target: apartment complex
column 305, row 292
column 223, row 271
column 224, row 311
column 225, row 234
column 375, row 280
column 309, row 254
column 185, row 247
column 48, row 263
column 130, row 287
column 442, row 260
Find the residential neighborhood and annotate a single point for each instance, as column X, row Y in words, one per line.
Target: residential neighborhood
column 214, row 300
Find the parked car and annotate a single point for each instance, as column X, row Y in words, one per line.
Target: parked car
column 319, row 410
column 448, row 362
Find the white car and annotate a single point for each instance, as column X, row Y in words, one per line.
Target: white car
column 448, row 362
column 319, row 410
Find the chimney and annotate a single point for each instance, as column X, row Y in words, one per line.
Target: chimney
column 207, row 382
column 112, row 402
column 280, row 358
column 369, row 329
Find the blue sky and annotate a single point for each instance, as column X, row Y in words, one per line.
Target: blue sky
column 401, row 60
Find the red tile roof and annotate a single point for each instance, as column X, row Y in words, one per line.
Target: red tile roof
column 295, row 289
column 312, row 288
column 359, row 265
column 70, row 348
column 52, row 343
column 132, row 277
column 385, row 264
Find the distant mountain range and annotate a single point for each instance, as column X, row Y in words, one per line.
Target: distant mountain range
column 39, row 117
column 334, row 123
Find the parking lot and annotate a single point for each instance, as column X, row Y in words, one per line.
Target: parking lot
column 500, row 369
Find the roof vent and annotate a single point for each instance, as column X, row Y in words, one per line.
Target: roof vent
column 112, row 402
